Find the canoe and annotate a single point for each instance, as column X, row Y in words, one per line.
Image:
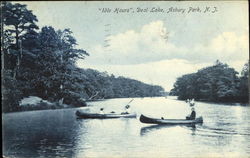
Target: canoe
column 85, row 115
column 145, row 119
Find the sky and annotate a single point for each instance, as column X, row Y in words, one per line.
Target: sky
column 153, row 47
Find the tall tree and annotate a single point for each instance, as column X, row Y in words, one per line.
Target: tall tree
column 54, row 62
column 17, row 20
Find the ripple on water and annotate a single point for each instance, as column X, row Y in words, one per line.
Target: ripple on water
column 57, row 133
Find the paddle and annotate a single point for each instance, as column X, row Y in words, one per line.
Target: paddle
column 130, row 101
column 127, row 106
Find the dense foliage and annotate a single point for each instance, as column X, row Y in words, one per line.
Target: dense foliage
column 42, row 63
column 218, row 83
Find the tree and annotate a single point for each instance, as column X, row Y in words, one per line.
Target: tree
column 244, row 83
column 214, row 83
column 185, row 87
column 17, row 20
column 10, row 93
column 53, row 63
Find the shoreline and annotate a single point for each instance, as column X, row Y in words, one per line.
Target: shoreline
column 97, row 100
column 219, row 102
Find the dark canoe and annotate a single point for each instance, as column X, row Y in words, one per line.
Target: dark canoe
column 145, row 119
column 85, row 115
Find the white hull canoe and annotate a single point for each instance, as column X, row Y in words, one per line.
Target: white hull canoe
column 85, row 115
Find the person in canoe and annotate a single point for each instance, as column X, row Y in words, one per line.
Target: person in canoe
column 101, row 111
column 127, row 110
column 191, row 102
column 192, row 116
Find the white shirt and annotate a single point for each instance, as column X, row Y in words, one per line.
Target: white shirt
column 128, row 110
column 192, row 101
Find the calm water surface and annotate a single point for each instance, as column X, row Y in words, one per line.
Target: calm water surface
column 57, row 133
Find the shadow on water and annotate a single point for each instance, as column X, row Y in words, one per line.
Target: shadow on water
column 36, row 134
column 151, row 128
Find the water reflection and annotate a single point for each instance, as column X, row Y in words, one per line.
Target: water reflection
column 57, row 133
column 40, row 137
column 193, row 129
column 96, row 136
column 147, row 129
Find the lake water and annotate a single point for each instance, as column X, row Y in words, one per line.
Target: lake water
column 57, row 133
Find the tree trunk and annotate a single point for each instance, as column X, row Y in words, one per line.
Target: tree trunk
column 17, row 36
column 19, row 51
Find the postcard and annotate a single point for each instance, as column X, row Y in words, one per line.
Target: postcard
column 125, row 79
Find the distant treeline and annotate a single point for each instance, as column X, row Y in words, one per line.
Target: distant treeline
column 217, row 83
column 42, row 63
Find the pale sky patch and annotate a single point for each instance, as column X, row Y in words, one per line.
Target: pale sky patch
column 163, row 72
column 154, row 48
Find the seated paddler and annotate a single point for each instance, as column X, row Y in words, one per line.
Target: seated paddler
column 192, row 116
column 127, row 110
column 192, row 102
column 101, row 111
